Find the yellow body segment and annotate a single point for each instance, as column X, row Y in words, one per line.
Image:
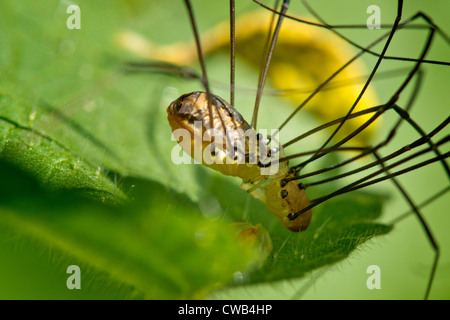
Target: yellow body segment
column 295, row 199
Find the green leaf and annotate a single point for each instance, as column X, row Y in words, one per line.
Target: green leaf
column 338, row 227
column 153, row 247
column 337, row 230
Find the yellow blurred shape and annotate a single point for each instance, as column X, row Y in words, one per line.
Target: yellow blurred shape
column 304, row 57
column 255, row 236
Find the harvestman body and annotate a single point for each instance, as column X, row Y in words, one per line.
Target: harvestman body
column 282, row 197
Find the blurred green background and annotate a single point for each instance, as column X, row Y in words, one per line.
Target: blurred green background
column 73, row 70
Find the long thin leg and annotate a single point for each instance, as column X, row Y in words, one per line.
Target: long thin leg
column 391, row 102
column 362, row 183
column 363, row 50
column 266, row 50
column 161, row 68
column 232, row 52
column 264, row 71
column 366, row 85
column 201, row 57
column 328, row 80
column 403, row 25
column 431, row 199
column 204, row 73
column 365, row 151
column 393, row 155
column 424, row 224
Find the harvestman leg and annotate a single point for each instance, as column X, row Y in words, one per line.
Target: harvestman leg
column 392, row 101
column 201, row 57
column 424, row 224
column 404, row 116
column 381, row 56
column 406, row 196
column 268, row 51
column 402, row 25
